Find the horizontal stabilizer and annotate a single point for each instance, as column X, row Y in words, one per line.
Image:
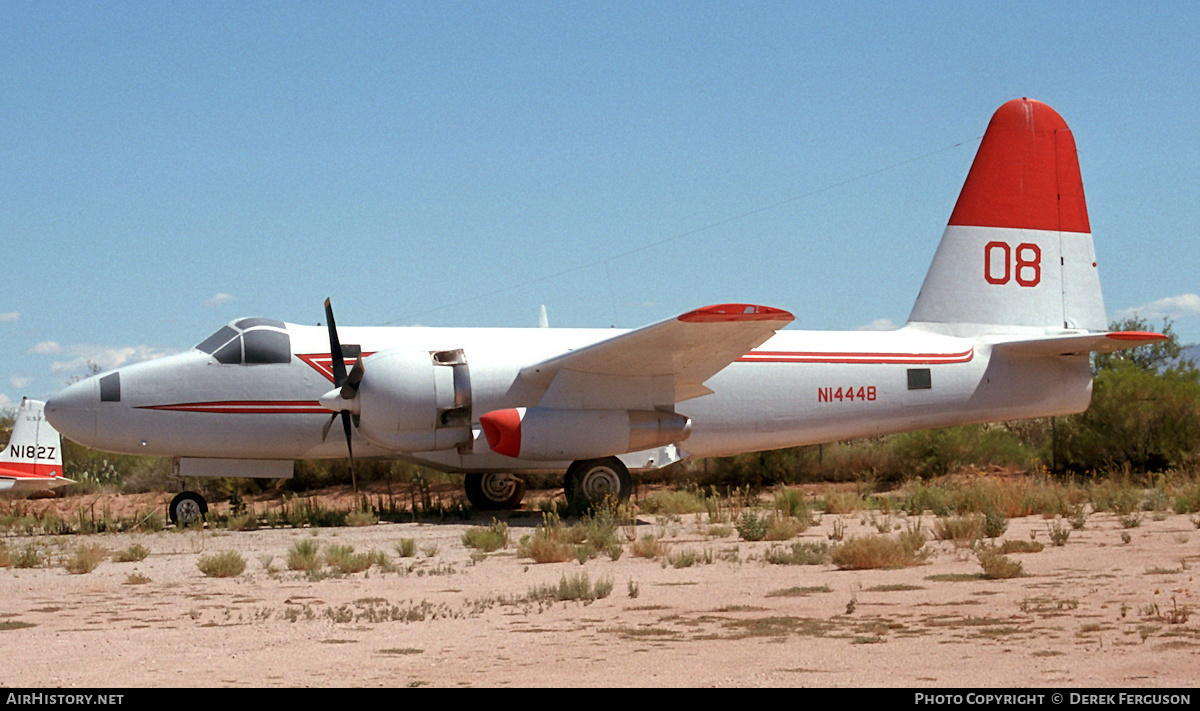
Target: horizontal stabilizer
column 1078, row 344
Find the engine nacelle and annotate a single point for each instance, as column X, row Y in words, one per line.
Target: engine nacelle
column 415, row 401
column 551, row 434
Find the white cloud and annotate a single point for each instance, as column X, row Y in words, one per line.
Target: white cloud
column 879, row 324
column 6, row 403
column 106, row 357
column 10, row 315
column 1172, row 307
column 46, row 348
column 19, row 382
column 220, row 299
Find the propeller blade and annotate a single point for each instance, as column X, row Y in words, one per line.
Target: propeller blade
column 350, row 388
column 349, row 448
column 335, row 348
column 325, row 429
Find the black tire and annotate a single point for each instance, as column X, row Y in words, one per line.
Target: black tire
column 187, row 508
column 590, row 481
column 494, row 491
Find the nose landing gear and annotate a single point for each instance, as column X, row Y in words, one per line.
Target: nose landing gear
column 186, row 508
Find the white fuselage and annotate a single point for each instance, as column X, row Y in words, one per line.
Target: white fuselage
column 797, row 388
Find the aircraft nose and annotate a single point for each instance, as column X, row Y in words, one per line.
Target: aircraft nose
column 73, row 411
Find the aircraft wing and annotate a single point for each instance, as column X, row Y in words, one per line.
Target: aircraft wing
column 1078, row 344
column 657, row 365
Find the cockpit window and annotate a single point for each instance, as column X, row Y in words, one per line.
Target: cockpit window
column 218, row 339
column 246, row 323
column 231, row 353
column 264, row 345
column 265, row 341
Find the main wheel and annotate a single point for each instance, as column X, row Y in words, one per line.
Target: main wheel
column 494, row 491
column 187, row 508
column 589, row 482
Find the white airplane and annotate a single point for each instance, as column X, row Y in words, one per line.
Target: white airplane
column 1001, row 330
column 32, row 459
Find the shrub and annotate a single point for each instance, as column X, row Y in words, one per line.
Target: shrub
column 1058, row 533
column 800, row 553
column 87, row 557
column 574, row 587
column 648, row 547
column 1021, row 547
column 791, row 503
column 674, row 502
column 487, row 538
column 689, row 557
column 870, row 552
column 994, row 524
column 361, row 517
column 913, row 536
column 303, row 555
column 343, row 559
column 751, row 526
column 30, row 556
column 407, row 547
column 228, row 564
column 963, row 530
column 134, row 553
column 842, row 502
column 920, row 497
column 543, row 549
column 998, row 566
column 1146, row 419
column 783, row 529
column 552, row 542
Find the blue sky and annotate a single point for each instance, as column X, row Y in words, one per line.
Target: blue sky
column 167, row 167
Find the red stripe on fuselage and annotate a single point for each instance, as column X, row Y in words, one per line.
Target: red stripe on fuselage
column 865, row 358
column 246, row 407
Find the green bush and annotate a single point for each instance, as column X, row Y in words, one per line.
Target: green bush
column 752, row 526
column 228, row 564
column 1145, row 410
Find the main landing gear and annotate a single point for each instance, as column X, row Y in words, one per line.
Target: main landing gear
column 590, row 481
column 587, row 483
column 187, row 508
column 494, row 491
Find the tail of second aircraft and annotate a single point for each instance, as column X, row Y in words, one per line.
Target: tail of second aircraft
column 1017, row 255
column 32, row 459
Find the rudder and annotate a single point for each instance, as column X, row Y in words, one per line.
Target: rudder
column 32, row 459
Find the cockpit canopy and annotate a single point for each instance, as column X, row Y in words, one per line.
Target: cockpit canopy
column 250, row 341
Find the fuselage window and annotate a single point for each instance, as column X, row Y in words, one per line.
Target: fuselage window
column 267, row 346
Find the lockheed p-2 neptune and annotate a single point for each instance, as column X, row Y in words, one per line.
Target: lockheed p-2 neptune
column 1002, row 328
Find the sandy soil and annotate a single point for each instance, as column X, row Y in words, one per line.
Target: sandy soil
column 1095, row 612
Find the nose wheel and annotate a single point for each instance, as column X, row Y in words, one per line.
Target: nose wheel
column 187, row 508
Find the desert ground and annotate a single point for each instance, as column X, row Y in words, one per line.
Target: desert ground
column 1098, row 611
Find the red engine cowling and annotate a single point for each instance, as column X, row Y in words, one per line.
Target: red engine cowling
column 551, row 434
